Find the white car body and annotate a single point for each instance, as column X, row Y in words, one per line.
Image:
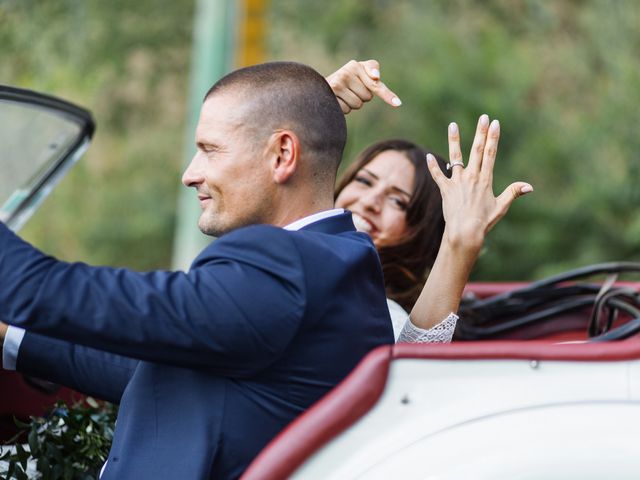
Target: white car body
column 481, row 410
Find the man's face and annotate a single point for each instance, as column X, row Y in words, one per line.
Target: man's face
column 229, row 170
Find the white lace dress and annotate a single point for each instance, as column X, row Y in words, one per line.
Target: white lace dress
column 406, row 332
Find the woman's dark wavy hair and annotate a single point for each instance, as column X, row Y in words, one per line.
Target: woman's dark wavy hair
column 405, row 265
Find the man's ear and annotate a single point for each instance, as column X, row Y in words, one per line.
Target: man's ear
column 284, row 147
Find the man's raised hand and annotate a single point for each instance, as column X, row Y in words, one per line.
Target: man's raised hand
column 469, row 205
column 356, row 83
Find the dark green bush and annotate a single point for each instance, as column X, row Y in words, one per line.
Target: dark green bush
column 71, row 443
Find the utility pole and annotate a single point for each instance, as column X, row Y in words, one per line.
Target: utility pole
column 227, row 34
column 213, row 56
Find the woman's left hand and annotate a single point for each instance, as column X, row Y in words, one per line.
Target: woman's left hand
column 469, row 205
column 470, row 210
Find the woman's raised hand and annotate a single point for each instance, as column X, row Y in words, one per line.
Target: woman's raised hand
column 356, row 83
column 469, row 205
column 470, row 210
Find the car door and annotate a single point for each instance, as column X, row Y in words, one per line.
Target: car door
column 41, row 137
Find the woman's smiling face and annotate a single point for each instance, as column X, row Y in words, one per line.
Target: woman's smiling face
column 379, row 195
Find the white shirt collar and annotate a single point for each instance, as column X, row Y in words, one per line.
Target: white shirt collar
column 316, row 217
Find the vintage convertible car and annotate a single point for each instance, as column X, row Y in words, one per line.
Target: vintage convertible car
column 487, row 410
column 544, row 381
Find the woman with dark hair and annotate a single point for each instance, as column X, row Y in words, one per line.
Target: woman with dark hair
column 393, row 198
column 414, row 225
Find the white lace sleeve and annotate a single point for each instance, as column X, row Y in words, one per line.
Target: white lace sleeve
column 440, row 333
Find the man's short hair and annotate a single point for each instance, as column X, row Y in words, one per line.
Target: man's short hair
column 293, row 96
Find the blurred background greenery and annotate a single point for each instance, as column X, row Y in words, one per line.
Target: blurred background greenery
column 563, row 77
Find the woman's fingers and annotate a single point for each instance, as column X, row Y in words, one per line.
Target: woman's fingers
column 382, row 91
column 372, row 67
column 352, row 100
column 341, row 82
column 435, row 171
column 455, row 154
column 356, row 83
column 491, row 149
column 506, row 198
column 361, row 90
column 343, row 106
column 470, row 207
column 376, row 86
column 478, row 147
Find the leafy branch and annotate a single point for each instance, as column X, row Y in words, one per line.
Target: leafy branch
column 71, row 443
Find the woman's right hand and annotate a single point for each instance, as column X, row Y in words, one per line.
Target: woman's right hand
column 356, row 83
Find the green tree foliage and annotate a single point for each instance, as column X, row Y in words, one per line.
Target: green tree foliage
column 128, row 63
column 562, row 76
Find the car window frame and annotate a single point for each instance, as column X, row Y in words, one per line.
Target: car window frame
column 56, row 170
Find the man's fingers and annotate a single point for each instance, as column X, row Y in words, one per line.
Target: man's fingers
column 479, row 141
column 3, row 332
column 435, row 171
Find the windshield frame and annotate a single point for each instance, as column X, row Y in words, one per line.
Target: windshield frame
column 58, row 167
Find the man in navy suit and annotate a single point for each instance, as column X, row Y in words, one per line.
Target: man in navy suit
column 268, row 318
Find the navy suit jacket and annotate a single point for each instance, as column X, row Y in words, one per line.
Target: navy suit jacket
column 265, row 322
